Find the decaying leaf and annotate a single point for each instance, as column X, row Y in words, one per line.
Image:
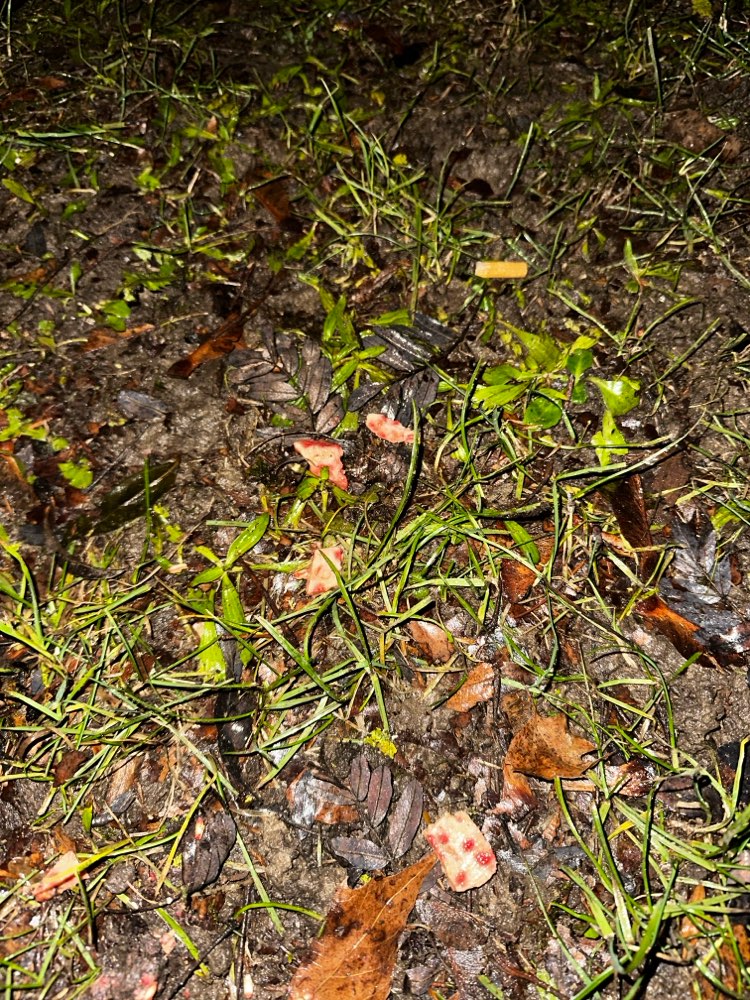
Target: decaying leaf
column 61, row 876
column 321, row 455
column 433, row 641
column 355, row 957
column 464, row 852
column 360, row 852
column 359, row 777
column 379, row 794
column 319, row 571
column 478, row 687
column 313, row 799
column 724, row 963
column 405, row 818
column 389, row 430
column 543, row 748
column 221, row 343
column 696, row 626
column 206, row 845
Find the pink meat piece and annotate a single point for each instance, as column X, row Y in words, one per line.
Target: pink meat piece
column 464, row 852
column 388, row 429
column 324, row 454
column 319, row 575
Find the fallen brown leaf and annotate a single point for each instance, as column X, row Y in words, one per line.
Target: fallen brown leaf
column 355, row 957
column 543, row 748
column 222, row 342
column 478, row 687
column 432, row 640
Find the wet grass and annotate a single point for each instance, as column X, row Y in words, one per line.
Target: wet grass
column 509, row 465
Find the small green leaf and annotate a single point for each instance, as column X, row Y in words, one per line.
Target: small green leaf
column 16, row 188
column 524, row 541
column 495, row 396
column 208, row 576
column 609, row 440
column 541, row 349
column 579, row 362
column 231, row 604
column 542, row 412
column 620, row 395
column 247, row 539
column 210, row 656
column 501, row 375
column 78, row 474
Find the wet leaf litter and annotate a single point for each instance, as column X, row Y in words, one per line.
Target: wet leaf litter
column 376, row 481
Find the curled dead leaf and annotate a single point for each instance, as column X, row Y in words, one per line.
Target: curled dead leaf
column 543, row 748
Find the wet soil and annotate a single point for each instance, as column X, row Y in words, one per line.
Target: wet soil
column 128, row 241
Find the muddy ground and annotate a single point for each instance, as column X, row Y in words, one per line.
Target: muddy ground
column 179, row 175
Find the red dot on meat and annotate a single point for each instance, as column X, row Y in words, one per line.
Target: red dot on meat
column 484, row 858
column 469, row 844
column 460, row 878
column 443, row 838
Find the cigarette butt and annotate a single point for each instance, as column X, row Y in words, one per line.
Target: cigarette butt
column 501, row 269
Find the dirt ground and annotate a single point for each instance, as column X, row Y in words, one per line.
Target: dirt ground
column 195, row 193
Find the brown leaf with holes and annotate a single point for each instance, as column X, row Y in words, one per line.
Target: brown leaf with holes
column 478, row 687
column 542, row 748
column 355, row 957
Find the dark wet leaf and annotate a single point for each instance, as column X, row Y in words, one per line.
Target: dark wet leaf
column 359, row 777
column 330, row 416
column 222, row 342
column 140, row 406
column 405, row 818
column 237, row 710
column 129, row 500
column 629, row 507
column 379, row 794
column 283, row 349
column 360, row 853
column 363, row 394
column 315, row 375
column 274, row 197
column 206, row 846
column 314, row 799
column 694, row 568
column 408, row 348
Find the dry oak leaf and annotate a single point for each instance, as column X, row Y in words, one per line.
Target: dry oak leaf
column 319, row 571
column 321, row 455
column 61, row 876
column 389, row 430
column 355, row 957
column 543, row 748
